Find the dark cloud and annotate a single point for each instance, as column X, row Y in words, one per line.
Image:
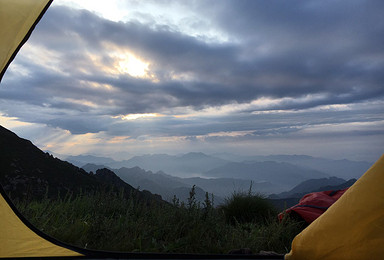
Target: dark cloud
column 310, row 65
column 79, row 125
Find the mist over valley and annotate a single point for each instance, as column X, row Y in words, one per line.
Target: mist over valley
column 222, row 175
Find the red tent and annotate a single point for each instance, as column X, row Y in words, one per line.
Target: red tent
column 312, row 205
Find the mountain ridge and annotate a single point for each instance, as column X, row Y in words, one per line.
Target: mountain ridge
column 181, row 165
column 178, row 165
column 309, row 186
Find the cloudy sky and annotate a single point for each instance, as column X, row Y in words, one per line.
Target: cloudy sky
column 118, row 78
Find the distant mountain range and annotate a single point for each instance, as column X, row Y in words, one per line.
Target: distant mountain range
column 345, row 169
column 185, row 165
column 81, row 160
column 269, row 174
column 200, row 164
column 283, row 174
column 313, row 185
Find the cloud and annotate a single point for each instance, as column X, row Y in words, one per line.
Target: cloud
column 266, row 69
column 194, row 73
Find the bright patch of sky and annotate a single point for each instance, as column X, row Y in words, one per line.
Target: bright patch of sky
column 177, row 15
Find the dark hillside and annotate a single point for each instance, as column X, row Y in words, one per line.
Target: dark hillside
column 25, row 170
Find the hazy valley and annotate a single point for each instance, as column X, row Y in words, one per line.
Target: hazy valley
column 276, row 176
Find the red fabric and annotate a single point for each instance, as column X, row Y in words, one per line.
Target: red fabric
column 312, row 205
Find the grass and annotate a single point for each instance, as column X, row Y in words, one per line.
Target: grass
column 107, row 221
column 247, row 207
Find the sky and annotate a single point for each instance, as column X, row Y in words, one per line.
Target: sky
column 122, row 78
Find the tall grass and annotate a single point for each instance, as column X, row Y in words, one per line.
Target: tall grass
column 248, row 207
column 107, row 221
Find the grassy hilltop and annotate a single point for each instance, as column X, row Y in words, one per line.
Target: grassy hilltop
column 107, row 221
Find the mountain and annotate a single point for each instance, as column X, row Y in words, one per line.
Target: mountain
column 108, row 177
column 344, row 185
column 345, row 169
column 284, row 174
column 81, row 160
column 154, row 182
column 181, row 165
column 286, row 200
column 152, row 162
column 25, row 170
column 165, row 185
column 196, row 163
column 90, row 167
column 232, row 157
column 309, row 186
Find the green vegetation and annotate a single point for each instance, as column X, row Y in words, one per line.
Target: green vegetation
column 114, row 222
column 248, row 207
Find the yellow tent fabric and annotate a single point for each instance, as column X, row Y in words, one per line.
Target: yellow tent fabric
column 18, row 240
column 17, row 19
column 352, row 228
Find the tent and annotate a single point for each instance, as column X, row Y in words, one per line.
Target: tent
column 352, row 228
column 313, row 205
column 17, row 21
column 20, row 239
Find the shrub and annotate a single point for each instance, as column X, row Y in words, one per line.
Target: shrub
column 247, row 208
